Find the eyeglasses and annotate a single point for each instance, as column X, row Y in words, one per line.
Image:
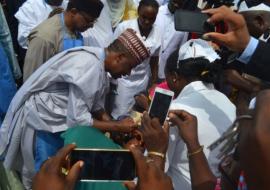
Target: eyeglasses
column 229, row 139
column 88, row 19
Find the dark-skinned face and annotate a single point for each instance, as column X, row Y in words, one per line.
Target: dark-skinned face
column 119, row 64
column 147, row 17
column 83, row 21
column 255, row 23
column 175, row 82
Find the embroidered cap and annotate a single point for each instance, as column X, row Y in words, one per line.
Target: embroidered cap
column 134, row 44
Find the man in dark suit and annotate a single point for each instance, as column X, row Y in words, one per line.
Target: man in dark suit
column 254, row 53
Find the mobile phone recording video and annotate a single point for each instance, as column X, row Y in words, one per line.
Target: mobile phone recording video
column 160, row 104
column 105, row 164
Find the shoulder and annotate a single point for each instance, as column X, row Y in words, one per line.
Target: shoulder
column 48, row 29
column 163, row 9
column 127, row 24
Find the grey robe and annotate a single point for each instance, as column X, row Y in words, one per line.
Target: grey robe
column 60, row 94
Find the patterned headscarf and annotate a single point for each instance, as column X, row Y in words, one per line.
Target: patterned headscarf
column 134, row 44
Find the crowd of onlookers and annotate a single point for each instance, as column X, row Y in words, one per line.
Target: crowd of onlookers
column 96, row 64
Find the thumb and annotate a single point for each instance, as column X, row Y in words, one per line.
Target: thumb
column 175, row 119
column 73, row 174
column 217, row 38
column 140, row 161
column 130, row 185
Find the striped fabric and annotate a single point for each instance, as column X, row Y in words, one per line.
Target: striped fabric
column 134, row 45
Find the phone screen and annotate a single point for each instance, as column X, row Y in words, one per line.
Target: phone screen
column 105, row 165
column 192, row 21
column 160, row 106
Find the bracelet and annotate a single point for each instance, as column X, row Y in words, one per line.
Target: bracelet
column 195, row 152
column 156, row 154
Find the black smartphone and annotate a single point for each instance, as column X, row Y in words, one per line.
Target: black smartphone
column 105, row 164
column 192, row 21
column 160, row 104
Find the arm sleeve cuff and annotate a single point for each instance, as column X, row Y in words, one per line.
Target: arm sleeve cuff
column 248, row 52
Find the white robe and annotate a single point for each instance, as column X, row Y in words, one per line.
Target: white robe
column 214, row 112
column 138, row 80
column 62, row 93
column 31, row 14
column 101, row 34
column 171, row 39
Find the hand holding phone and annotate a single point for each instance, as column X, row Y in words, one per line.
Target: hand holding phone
column 160, row 104
column 105, row 164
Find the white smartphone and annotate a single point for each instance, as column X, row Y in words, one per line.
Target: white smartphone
column 105, row 165
column 160, row 104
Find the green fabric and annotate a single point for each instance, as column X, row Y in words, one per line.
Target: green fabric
column 9, row 180
column 89, row 137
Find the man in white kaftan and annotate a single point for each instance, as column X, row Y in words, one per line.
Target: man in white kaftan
column 64, row 92
column 171, row 39
column 138, row 80
column 61, row 94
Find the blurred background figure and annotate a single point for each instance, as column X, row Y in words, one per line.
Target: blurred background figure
column 32, row 13
column 145, row 74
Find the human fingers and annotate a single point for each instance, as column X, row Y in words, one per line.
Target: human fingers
column 166, row 127
column 175, row 119
column 182, row 114
column 73, row 174
column 155, row 124
column 140, row 161
column 223, row 13
column 130, row 185
column 146, row 122
column 221, row 39
column 61, row 156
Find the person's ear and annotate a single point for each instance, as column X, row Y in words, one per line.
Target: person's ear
column 260, row 22
column 175, row 77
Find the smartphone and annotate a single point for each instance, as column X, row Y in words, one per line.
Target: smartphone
column 192, row 21
column 160, row 104
column 105, row 164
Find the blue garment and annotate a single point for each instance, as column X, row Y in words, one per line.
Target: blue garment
column 249, row 51
column 47, row 144
column 71, row 42
column 7, row 84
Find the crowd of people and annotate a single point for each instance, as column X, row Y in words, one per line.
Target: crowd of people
column 87, row 70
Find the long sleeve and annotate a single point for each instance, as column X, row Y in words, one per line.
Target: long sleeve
column 39, row 52
column 259, row 64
